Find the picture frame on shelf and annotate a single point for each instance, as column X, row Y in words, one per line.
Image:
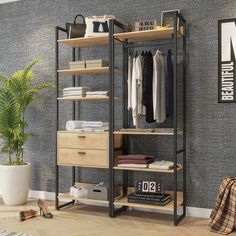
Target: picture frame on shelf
column 167, row 18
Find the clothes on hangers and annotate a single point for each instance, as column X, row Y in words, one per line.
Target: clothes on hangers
column 159, row 99
column 139, row 81
column 134, row 92
column 129, row 81
column 147, row 92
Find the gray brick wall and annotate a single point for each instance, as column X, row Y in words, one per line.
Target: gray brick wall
column 27, row 30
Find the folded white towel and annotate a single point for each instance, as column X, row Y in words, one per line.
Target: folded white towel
column 76, row 89
column 94, row 124
column 163, row 165
column 73, row 124
column 94, row 129
column 133, row 165
column 97, row 93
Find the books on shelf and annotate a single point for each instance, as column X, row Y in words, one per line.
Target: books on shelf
column 160, row 200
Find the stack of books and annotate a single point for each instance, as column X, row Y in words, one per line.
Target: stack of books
column 153, row 199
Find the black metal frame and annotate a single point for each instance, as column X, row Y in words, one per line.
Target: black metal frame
column 126, row 45
column 57, row 30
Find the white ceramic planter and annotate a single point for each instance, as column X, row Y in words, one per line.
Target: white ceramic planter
column 14, row 184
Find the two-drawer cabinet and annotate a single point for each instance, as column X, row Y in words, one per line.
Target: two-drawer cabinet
column 85, row 149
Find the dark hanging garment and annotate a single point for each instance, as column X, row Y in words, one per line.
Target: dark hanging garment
column 169, row 86
column 147, row 99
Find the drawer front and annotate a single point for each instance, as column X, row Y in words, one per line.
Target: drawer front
column 98, row 141
column 82, row 157
column 83, row 140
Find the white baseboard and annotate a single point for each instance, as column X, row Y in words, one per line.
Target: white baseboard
column 190, row 211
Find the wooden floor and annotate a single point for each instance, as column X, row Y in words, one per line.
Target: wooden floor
column 88, row 220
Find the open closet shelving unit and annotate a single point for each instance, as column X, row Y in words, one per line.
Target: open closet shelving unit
column 129, row 40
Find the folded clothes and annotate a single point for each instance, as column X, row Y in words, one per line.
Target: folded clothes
column 95, row 124
column 86, row 126
column 163, row 165
column 134, row 157
column 133, row 165
column 76, row 89
column 95, row 129
column 97, row 93
column 74, row 124
column 147, row 161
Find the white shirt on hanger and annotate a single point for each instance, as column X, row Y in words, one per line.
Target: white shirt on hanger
column 129, row 81
column 139, row 74
column 159, row 108
column 134, row 93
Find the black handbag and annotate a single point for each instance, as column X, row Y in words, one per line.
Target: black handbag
column 76, row 30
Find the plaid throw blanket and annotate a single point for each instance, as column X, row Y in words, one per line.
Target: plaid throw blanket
column 223, row 216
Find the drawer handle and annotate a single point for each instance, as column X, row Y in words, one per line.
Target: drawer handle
column 82, row 153
column 81, row 136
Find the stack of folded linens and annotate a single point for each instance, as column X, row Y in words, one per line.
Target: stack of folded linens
column 162, row 165
column 96, row 93
column 75, row 91
column 134, row 160
column 95, row 126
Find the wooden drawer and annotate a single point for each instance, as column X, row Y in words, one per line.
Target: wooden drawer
column 85, row 140
column 82, row 157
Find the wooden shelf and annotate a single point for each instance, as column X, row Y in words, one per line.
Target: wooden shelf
column 169, row 207
column 85, row 166
column 147, row 35
column 134, row 36
column 87, row 98
column 161, row 132
column 85, row 42
column 67, row 196
column 86, row 71
column 146, row 169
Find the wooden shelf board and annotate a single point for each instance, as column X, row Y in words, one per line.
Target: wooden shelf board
column 85, row 42
column 134, row 36
column 169, row 207
column 138, row 36
column 144, row 133
column 85, row 166
column 146, row 169
column 87, row 98
column 86, row 71
column 82, row 132
column 84, row 199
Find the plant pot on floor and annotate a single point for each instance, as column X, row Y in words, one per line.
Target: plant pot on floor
column 14, row 183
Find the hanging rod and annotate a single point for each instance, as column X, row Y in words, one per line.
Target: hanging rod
column 148, row 45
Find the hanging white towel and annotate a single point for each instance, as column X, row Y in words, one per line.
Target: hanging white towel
column 159, row 99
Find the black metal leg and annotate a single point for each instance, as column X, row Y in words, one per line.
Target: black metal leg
column 111, row 116
column 175, row 120
column 57, row 123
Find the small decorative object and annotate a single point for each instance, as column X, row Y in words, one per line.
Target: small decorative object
column 76, row 30
column 97, row 25
column 226, row 61
column 145, row 25
column 149, row 187
column 167, row 18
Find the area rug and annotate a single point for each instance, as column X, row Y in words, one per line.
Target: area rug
column 7, row 233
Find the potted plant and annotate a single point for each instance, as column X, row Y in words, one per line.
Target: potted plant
column 16, row 95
